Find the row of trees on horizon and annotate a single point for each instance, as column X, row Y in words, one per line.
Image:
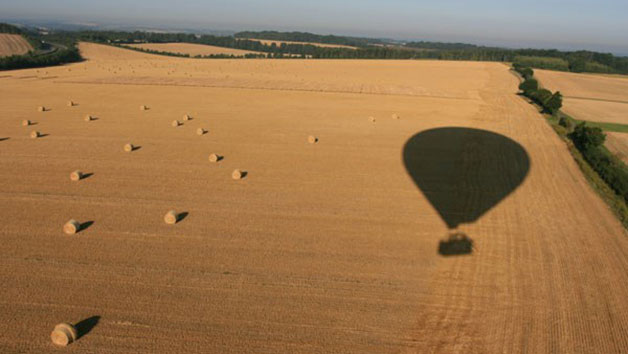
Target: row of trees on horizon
column 365, row 48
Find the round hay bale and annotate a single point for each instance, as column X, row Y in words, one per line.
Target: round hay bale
column 395, row 116
column 214, row 158
column 71, row 227
column 237, row 174
column 26, row 122
column 88, row 118
column 128, row 147
column 143, row 108
column 372, row 119
column 171, row 217
column 41, row 109
column 35, row 134
column 76, row 175
column 186, row 117
column 312, row 139
column 200, row 131
column 175, row 123
column 63, row 334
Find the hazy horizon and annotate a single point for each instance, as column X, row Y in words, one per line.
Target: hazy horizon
column 599, row 26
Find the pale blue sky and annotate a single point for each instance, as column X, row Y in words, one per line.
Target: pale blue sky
column 598, row 25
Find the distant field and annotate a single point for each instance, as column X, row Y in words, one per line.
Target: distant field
column 617, row 143
column 543, row 62
column 13, row 44
column 192, row 49
column 599, row 98
column 278, row 43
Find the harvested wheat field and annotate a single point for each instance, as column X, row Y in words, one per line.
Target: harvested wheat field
column 192, row 49
column 617, row 143
column 13, row 44
column 598, row 98
column 329, row 247
column 279, row 43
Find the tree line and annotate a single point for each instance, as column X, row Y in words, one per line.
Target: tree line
column 32, row 60
column 550, row 102
column 588, row 140
column 42, row 55
column 309, row 37
column 579, row 61
column 576, row 61
column 198, row 56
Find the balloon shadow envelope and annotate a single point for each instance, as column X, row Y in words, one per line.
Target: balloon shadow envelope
column 464, row 172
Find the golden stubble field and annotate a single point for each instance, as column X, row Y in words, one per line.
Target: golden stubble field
column 598, row 98
column 279, row 43
column 13, row 44
column 191, row 49
column 326, row 247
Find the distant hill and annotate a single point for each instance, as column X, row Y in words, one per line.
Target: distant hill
column 441, row 45
column 310, row 37
column 7, row 28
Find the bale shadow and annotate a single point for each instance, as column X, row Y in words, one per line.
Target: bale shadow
column 182, row 216
column 244, row 174
column 85, row 326
column 464, row 172
column 86, row 175
column 134, row 148
column 3, row 139
column 42, row 135
column 455, row 245
column 85, row 226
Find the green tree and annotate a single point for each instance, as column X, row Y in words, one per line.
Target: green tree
column 527, row 73
column 529, row 85
column 586, row 138
column 554, row 103
column 541, row 96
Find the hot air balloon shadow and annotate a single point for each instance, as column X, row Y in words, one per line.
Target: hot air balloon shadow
column 464, row 172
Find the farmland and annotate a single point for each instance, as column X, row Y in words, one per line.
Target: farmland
column 279, row 43
column 13, row 44
column 591, row 97
column 324, row 247
column 191, row 49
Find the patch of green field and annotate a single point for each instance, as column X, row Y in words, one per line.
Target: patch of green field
column 605, row 126
column 609, row 127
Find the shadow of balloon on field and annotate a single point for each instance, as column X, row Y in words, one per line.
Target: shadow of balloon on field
column 463, row 173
